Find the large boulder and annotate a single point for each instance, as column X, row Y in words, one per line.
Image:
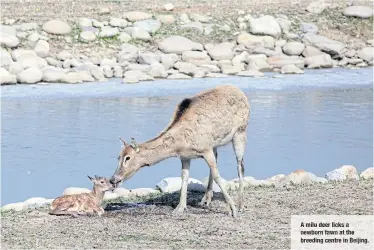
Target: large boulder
column 293, row 48
column 42, row 48
column 316, row 7
column 88, row 36
column 168, row 60
column 118, row 22
column 29, row 61
column 174, row 184
column 77, row 77
column 222, row 51
column 196, row 57
column 150, row 25
column 8, row 41
column 53, row 74
column 148, row 58
column 108, row 32
column 57, row 27
column 249, row 40
column 134, row 76
column 6, row 77
column 291, row 69
column 319, row 61
column 367, row 174
column 30, row 75
column 309, row 28
column 186, row 68
column 311, row 51
column 140, row 34
column 358, row 11
column 366, row 54
column 280, row 61
column 128, row 53
column 178, row 45
column 300, row 177
column 345, row 172
column 157, row 70
column 325, row 44
column 265, row 25
column 5, row 58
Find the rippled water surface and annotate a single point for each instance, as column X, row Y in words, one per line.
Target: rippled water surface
column 54, row 136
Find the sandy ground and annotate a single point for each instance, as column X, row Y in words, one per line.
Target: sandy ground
column 264, row 225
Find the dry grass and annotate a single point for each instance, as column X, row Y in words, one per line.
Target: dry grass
column 264, row 225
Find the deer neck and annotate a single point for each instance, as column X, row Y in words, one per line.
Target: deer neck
column 98, row 194
column 158, row 149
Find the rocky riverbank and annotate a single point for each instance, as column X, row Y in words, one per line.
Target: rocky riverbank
column 180, row 40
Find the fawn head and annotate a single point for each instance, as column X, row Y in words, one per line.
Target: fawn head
column 101, row 183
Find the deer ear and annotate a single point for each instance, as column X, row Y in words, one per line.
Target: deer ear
column 123, row 141
column 91, row 179
column 97, row 177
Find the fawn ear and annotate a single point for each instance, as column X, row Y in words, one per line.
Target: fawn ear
column 91, row 179
column 123, row 141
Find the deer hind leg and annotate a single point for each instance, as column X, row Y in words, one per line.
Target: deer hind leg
column 239, row 142
column 58, row 211
column 208, row 196
column 183, row 194
column 211, row 161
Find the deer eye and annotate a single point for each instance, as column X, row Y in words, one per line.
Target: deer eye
column 102, row 182
column 127, row 158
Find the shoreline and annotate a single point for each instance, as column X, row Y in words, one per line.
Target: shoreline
column 163, row 87
column 182, row 41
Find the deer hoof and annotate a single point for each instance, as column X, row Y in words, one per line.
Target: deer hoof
column 179, row 210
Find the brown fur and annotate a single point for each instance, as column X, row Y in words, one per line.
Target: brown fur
column 199, row 126
column 81, row 204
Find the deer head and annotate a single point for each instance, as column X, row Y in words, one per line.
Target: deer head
column 129, row 162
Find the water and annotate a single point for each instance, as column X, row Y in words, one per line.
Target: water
column 54, row 136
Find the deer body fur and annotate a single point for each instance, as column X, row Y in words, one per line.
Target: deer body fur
column 82, row 204
column 199, row 126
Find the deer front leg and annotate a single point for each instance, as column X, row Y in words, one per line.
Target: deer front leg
column 207, row 199
column 210, row 159
column 183, row 194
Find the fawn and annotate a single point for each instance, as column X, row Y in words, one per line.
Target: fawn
column 83, row 204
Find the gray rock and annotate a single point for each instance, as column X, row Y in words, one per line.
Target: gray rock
column 355, row 61
column 174, row 184
column 97, row 24
column 193, row 26
column 108, row 32
column 265, row 25
column 222, row 51
column 64, row 55
column 139, row 67
column 168, row 60
column 150, row 25
column 311, row 51
column 168, row 7
column 291, row 69
column 291, row 36
column 366, row 54
column 293, row 48
column 285, row 24
column 251, row 41
column 15, row 68
column 42, row 48
column 196, row 57
column 367, row 174
column 108, row 72
column 5, row 58
column 128, row 53
column 18, row 206
column 186, row 68
column 133, row 76
column 30, row 75
column 57, row 27
column 8, row 41
column 316, row 7
column 6, row 77
column 84, row 22
column 259, row 64
column 358, row 11
column 280, row 43
column 241, row 58
column 267, row 52
column 7, row 29
column 199, row 74
column 210, row 68
column 77, row 77
column 118, row 71
column 31, row 61
column 178, row 44
column 118, row 22
column 53, row 74
column 309, row 28
column 97, row 73
column 17, row 53
column 280, row 61
column 363, row 64
column 134, row 16
column 350, row 53
column 319, row 61
column 250, row 73
column 231, row 69
column 335, row 175
column 148, row 58
column 325, row 44
column 110, row 62
column 104, row 10
column 22, row 34
column 158, row 70
column 179, row 76
column 184, row 18
column 166, row 19
column 88, row 36
column 124, row 37
column 140, row 34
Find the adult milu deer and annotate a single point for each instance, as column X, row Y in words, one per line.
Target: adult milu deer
column 199, row 126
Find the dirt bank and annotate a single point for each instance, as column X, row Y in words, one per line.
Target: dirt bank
column 264, row 225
